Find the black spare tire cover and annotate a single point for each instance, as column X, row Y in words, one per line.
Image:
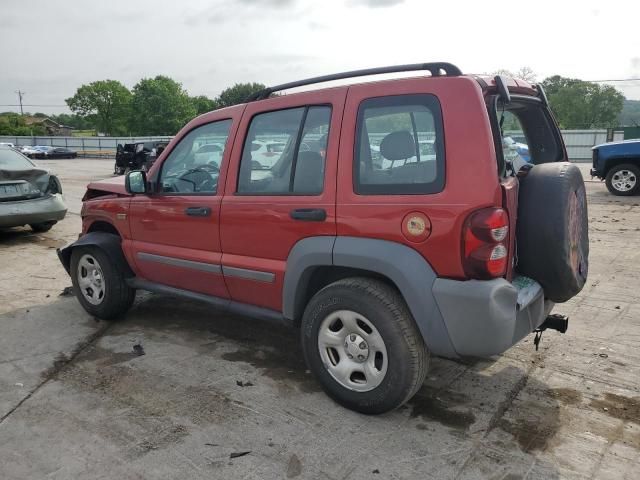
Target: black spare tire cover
column 552, row 229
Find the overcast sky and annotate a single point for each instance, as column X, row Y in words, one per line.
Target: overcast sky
column 50, row 47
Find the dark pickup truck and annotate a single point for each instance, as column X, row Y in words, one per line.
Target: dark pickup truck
column 137, row 156
column 618, row 164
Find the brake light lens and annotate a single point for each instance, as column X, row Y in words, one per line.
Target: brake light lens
column 485, row 254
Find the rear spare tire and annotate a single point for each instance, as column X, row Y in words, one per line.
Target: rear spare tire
column 552, row 229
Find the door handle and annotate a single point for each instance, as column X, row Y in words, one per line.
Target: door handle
column 198, row 211
column 309, row 214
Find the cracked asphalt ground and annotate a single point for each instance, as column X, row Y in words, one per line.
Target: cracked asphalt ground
column 218, row 396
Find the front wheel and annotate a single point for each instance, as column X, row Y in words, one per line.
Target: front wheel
column 362, row 344
column 623, row 180
column 99, row 284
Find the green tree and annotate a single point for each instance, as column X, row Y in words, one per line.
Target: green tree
column 238, row 93
column 630, row 115
column 72, row 120
column 580, row 104
column 525, row 73
column 160, row 106
column 105, row 103
column 203, row 104
column 14, row 124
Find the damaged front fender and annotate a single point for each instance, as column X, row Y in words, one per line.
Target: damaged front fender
column 108, row 242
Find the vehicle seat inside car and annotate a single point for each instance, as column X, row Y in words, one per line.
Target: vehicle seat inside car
column 396, row 146
column 309, row 176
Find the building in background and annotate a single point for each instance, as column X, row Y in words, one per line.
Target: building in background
column 52, row 127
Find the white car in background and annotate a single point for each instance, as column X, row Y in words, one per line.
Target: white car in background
column 209, row 153
column 266, row 153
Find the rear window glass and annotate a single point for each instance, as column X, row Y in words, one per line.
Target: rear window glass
column 399, row 148
column 12, row 160
column 525, row 134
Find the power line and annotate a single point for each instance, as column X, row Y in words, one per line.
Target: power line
column 29, row 104
column 615, row 80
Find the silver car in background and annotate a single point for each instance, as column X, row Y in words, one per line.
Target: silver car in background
column 28, row 195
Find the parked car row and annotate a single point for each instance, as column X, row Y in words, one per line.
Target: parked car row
column 41, row 151
column 44, row 151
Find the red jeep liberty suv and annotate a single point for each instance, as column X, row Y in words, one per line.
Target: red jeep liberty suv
column 386, row 219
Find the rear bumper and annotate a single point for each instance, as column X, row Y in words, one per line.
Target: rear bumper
column 50, row 208
column 485, row 318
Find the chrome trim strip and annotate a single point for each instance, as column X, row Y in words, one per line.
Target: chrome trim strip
column 267, row 277
column 178, row 262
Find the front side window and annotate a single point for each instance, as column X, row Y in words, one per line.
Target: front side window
column 399, row 147
column 193, row 166
column 284, row 152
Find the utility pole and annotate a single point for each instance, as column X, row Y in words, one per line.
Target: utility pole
column 20, row 94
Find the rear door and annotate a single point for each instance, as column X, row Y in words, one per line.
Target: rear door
column 273, row 201
column 175, row 231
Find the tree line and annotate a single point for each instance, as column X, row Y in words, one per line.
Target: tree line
column 154, row 106
column 161, row 106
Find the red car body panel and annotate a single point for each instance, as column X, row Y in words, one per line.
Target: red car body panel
column 380, row 216
column 112, row 185
column 160, row 226
column 256, row 232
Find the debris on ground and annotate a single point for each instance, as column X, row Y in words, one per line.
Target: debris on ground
column 67, row 292
column 211, row 444
column 376, row 471
column 138, row 350
column 239, row 454
column 240, row 383
column 19, row 385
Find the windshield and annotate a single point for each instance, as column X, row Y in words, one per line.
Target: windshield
column 12, row 160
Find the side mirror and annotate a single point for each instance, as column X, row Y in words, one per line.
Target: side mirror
column 136, row 182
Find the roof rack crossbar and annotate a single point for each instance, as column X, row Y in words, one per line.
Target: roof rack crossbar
column 435, row 68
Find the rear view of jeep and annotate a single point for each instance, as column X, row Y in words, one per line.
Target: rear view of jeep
column 397, row 219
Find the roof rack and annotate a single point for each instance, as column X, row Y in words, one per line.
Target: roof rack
column 436, row 69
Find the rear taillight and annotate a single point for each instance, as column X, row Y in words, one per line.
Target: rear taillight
column 485, row 236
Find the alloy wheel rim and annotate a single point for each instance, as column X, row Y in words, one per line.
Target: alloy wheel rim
column 352, row 350
column 624, row 180
column 91, row 280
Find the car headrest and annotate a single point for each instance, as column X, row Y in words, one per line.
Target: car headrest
column 398, row 145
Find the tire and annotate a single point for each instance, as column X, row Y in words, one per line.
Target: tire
column 552, row 229
column 375, row 308
column 623, row 180
column 42, row 227
column 116, row 296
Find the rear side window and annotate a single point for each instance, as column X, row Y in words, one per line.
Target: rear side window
column 399, row 146
column 284, row 152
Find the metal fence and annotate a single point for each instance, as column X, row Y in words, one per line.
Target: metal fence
column 85, row 146
column 578, row 142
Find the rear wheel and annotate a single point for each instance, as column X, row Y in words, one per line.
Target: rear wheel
column 99, row 284
column 362, row 344
column 623, row 180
